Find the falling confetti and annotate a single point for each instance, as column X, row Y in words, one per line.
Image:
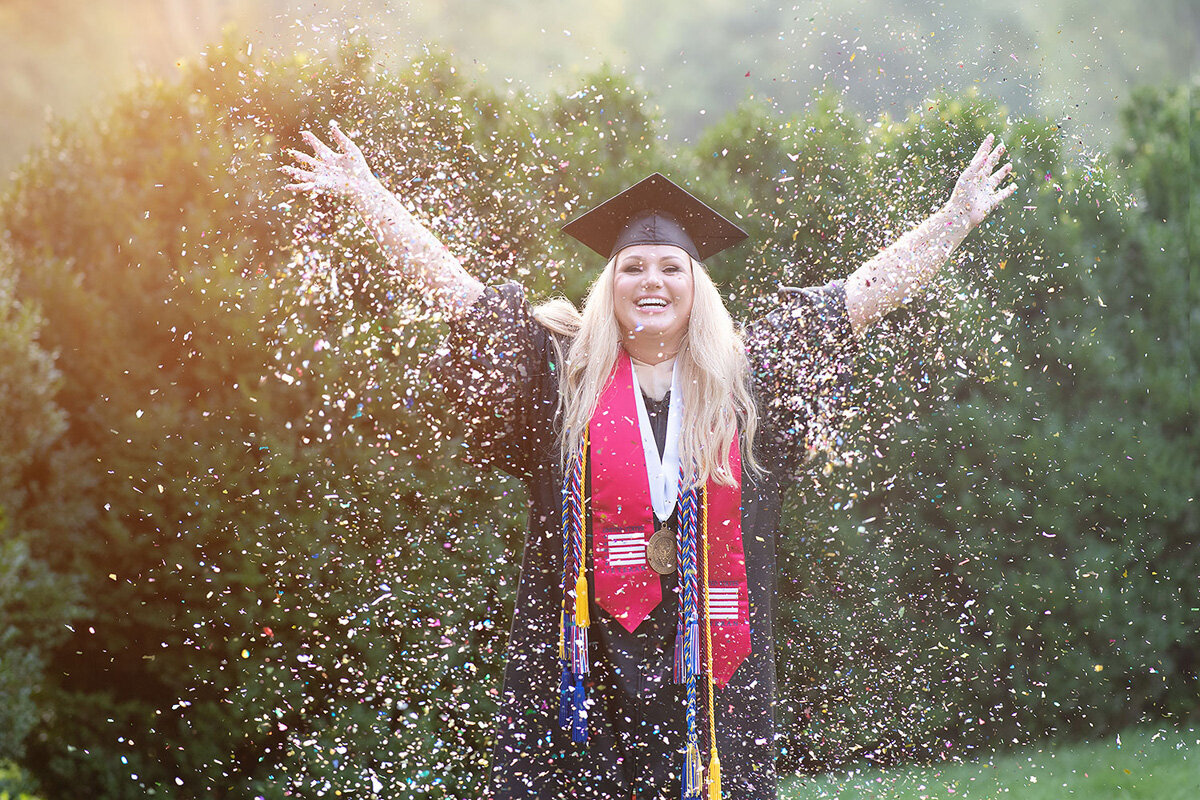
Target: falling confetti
column 294, row 584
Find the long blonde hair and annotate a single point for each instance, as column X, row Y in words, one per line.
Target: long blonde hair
column 714, row 374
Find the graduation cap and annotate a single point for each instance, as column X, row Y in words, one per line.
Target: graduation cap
column 654, row 211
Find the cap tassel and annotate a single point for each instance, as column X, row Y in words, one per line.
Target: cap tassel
column 714, row 777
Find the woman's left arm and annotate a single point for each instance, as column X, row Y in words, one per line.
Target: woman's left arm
column 889, row 279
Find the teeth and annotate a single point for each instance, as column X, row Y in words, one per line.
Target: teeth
column 652, row 302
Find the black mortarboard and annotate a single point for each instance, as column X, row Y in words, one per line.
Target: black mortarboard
column 654, row 211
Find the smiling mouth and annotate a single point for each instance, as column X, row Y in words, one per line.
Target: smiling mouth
column 652, row 302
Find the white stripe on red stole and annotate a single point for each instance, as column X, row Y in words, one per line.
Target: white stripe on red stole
column 627, row 549
column 724, row 603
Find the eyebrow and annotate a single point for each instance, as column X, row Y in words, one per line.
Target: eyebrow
column 639, row 259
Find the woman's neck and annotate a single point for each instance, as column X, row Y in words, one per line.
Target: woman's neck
column 651, row 350
column 654, row 379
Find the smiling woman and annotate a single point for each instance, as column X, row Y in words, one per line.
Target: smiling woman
column 655, row 439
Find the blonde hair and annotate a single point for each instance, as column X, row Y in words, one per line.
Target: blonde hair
column 714, row 374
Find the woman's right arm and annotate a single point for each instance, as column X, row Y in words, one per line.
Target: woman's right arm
column 411, row 250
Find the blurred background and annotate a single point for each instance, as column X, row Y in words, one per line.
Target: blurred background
column 241, row 555
column 1072, row 60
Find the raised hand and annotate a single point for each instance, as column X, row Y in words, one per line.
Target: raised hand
column 341, row 173
column 411, row 250
column 978, row 191
column 887, row 281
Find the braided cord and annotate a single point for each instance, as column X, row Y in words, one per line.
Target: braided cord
column 714, row 767
column 573, row 508
column 573, row 629
column 566, row 570
column 687, row 644
column 577, row 644
column 690, row 660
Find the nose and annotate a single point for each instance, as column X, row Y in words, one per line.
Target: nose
column 651, row 277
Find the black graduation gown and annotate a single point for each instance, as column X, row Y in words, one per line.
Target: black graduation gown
column 498, row 368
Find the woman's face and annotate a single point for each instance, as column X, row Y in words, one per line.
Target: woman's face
column 653, row 291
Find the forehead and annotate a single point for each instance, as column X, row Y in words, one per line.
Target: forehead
column 652, row 252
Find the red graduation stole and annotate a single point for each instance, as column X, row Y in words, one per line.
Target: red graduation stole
column 622, row 523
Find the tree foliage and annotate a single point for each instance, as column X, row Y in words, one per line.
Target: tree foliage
column 36, row 604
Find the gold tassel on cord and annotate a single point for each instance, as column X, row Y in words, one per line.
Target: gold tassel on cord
column 714, row 777
column 562, row 632
column 581, row 602
column 582, row 618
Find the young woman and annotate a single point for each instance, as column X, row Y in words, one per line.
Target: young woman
column 655, row 439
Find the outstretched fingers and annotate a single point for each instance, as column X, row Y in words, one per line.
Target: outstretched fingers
column 320, row 148
column 297, row 172
column 994, row 158
column 999, row 175
column 303, row 158
column 303, row 180
column 339, row 172
column 997, row 195
column 344, row 143
column 981, row 154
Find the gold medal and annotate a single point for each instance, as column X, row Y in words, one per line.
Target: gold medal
column 660, row 551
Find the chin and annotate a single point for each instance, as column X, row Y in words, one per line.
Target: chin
column 656, row 327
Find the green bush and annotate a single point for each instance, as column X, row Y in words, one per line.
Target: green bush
column 1011, row 554
column 36, row 604
column 285, row 579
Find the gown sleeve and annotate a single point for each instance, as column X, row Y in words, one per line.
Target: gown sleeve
column 801, row 360
column 496, row 370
